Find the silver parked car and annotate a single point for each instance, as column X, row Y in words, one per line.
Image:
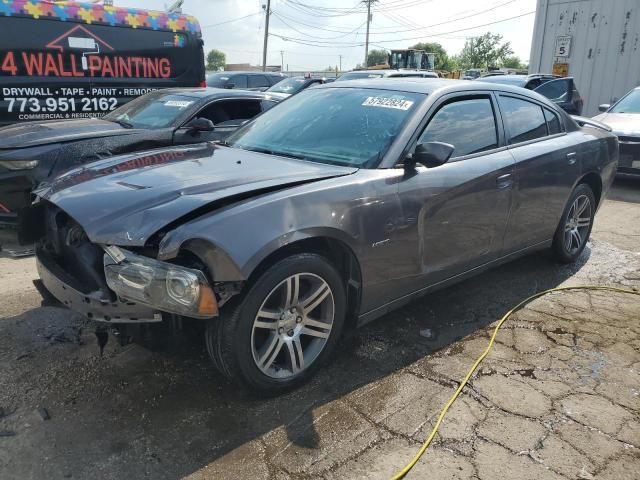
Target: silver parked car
column 624, row 119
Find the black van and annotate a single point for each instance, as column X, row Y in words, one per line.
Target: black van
column 75, row 60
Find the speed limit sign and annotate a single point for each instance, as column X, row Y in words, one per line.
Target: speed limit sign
column 563, row 46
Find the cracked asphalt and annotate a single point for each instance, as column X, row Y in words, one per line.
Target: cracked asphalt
column 557, row 398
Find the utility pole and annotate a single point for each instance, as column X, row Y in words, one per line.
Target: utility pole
column 340, row 62
column 282, row 60
column 267, row 11
column 366, row 45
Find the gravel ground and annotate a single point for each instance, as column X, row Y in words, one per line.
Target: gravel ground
column 558, row 397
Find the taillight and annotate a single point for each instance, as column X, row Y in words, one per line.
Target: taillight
column 203, row 83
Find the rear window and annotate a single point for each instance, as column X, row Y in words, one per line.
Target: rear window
column 504, row 80
column 217, row 80
column 524, row 120
column 556, row 90
column 290, row 86
column 358, row 75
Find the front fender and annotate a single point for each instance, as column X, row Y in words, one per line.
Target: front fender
column 228, row 267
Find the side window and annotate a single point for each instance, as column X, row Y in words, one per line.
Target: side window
column 231, row 113
column 469, row 125
column 524, row 120
column 239, row 81
column 273, row 79
column 258, row 81
column 553, row 122
column 556, row 90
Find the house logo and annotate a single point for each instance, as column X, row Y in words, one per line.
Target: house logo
column 79, row 38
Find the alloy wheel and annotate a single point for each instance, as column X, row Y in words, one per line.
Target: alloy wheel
column 292, row 325
column 576, row 228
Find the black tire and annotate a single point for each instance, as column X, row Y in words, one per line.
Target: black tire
column 563, row 251
column 229, row 338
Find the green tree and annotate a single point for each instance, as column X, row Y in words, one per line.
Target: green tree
column 443, row 61
column 377, row 57
column 512, row 61
column 484, row 51
column 216, row 60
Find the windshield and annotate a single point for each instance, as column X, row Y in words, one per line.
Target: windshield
column 628, row 104
column 357, row 75
column 151, row 111
column 341, row 126
column 472, row 73
column 290, row 86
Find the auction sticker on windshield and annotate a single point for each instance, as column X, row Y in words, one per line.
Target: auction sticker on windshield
column 177, row 103
column 387, row 102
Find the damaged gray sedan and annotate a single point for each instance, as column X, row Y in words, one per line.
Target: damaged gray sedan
column 324, row 213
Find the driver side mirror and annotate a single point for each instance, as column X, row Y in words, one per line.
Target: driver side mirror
column 430, row 154
column 604, row 107
column 200, row 124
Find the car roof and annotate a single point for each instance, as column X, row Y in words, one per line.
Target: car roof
column 501, row 78
column 212, row 92
column 428, row 86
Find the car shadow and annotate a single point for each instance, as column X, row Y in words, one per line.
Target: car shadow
column 170, row 414
column 625, row 189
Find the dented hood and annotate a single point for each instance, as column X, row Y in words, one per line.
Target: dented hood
column 30, row 134
column 126, row 199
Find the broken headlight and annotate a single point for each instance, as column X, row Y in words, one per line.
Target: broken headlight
column 167, row 287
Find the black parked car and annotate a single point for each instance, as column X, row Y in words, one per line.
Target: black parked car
column 560, row 90
column 33, row 152
column 326, row 212
column 256, row 81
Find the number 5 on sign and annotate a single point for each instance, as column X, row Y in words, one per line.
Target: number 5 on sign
column 563, row 46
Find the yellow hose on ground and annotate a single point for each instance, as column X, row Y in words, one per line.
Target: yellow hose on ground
column 444, row 411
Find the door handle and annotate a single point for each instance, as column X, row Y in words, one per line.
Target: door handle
column 504, row 181
column 571, row 158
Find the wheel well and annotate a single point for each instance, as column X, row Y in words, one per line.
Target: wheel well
column 338, row 253
column 594, row 181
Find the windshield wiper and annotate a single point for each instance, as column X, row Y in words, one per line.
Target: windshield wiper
column 274, row 152
column 122, row 123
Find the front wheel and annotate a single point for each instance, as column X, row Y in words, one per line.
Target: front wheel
column 575, row 225
column 284, row 327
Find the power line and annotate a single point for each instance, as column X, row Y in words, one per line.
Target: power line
column 279, row 17
column 232, row 20
column 318, row 43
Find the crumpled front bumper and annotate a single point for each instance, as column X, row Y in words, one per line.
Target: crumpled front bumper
column 94, row 306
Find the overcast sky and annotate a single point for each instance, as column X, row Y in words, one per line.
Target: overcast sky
column 318, row 31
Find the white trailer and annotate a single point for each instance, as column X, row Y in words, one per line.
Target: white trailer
column 595, row 41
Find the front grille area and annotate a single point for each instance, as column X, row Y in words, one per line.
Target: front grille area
column 629, row 151
column 65, row 243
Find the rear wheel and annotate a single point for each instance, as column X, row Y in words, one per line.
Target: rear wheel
column 284, row 327
column 575, row 225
